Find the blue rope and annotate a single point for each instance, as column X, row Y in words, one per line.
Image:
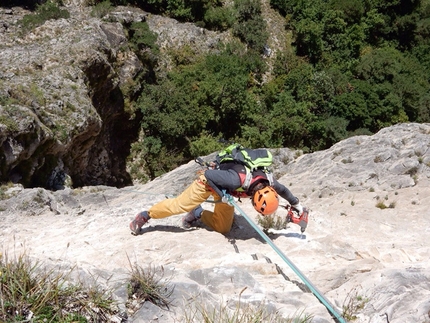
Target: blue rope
column 307, row 282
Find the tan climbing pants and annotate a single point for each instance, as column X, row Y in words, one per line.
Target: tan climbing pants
column 221, row 219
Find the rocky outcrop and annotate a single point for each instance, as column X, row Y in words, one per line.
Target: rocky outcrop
column 396, row 157
column 371, row 263
column 62, row 109
column 66, row 109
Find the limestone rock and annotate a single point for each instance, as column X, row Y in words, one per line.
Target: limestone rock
column 369, row 262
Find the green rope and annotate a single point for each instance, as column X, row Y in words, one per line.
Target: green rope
column 307, row 282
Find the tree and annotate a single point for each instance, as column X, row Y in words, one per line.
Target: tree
column 397, row 78
column 250, row 26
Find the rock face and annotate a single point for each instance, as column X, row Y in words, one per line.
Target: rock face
column 62, row 110
column 63, row 115
column 65, row 95
column 371, row 262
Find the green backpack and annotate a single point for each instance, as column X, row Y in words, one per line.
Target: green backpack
column 253, row 159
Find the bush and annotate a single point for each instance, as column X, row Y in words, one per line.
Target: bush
column 272, row 222
column 250, row 27
column 44, row 12
column 204, row 145
column 219, row 18
column 143, row 41
column 101, row 9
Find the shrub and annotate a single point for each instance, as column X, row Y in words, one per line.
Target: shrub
column 101, row 9
column 44, row 12
column 219, row 18
column 272, row 222
column 353, row 304
column 11, row 124
column 250, row 27
column 204, row 144
column 143, row 41
column 381, row 205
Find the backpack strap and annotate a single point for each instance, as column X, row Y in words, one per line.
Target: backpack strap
column 247, row 181
column 269, row 176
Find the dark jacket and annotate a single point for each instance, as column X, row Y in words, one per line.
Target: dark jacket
column 229, row 177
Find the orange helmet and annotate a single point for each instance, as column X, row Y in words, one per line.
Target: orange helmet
column 265, row 200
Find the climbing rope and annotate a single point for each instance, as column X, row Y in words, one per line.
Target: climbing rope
column 338, row 317
column 305, row 280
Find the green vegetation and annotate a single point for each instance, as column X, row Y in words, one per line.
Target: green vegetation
column 25, row 95
column 10, row 124
column 381, row 205
column 241, row 313
column 209, row 93
column 352, row 68
column 101, row 9
column 149, row 285
column 219, row 18
column 250, row 27
column 6, row 100
column 143, row 42
column 182, row 10
column 272, row 222
column 48, row 10
column 353, row 304
column 60, row 132
column 30, row 291
column 3, row 188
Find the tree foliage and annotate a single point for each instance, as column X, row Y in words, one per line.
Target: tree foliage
column 250, row 26
column 354, row 68
column 209, row 95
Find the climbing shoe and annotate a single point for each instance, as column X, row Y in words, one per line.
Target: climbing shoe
column 138, row 222
column 190, row 219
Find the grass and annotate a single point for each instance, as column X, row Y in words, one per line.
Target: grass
column 101, row 9
column 240, row 313
column 148, row 285
column 31, row 292
column 353, row 304
column 272, row 222
column 381, row 205
column 11, row 125
column 3, row 189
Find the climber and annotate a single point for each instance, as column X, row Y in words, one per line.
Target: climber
column 219, row 180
